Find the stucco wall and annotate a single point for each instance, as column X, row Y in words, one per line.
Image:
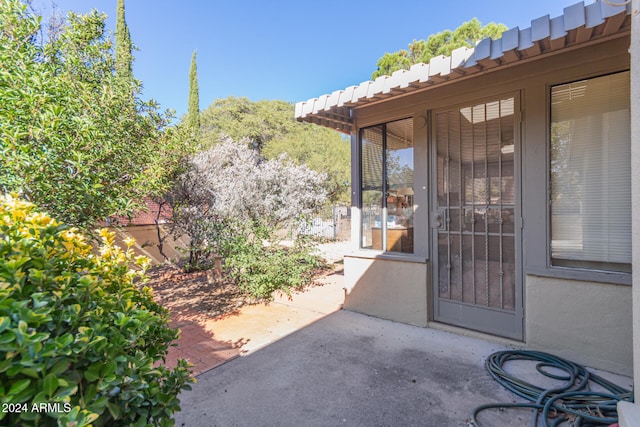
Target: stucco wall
column 586, row 322
column 389, row 289
column 147, row 242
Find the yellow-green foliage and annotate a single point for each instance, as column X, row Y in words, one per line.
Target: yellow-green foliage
column 77, row 329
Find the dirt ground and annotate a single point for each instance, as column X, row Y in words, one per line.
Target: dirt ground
column 199, row 290
column 202, row 291
column 214, row 296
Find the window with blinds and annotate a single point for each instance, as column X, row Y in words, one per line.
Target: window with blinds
column 387, row 186
column 371, row 149
column 591, row 174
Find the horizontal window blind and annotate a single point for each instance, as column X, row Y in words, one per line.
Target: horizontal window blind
column 386, row 192
column 591, row 173
column 372, row 158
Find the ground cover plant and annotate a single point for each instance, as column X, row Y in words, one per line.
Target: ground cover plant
column 79, row 332
column 259, row 265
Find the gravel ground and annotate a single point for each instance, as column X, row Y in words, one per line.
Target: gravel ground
column 333, row 252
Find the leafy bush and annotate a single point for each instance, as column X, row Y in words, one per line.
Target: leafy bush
column 259, row 268
column 76, row 330
column 74, row 136
column 229, row 188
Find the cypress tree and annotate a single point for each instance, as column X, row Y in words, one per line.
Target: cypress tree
column 193, row 115
column 124, row 56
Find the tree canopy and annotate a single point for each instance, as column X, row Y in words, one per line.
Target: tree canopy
column 322, row 150
column 442, row 43
column 270, row 128
column 239, row 118
column 75, row 137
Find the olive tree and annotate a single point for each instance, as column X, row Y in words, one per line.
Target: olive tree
column 231, row 186
column 246, row 187
column 231, row 201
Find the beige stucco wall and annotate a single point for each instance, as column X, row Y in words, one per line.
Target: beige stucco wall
column 147, row 243
column 394, row 290
column 566, row 312
column 589, row 323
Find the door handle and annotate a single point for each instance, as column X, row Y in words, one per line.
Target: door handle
column 439, row 220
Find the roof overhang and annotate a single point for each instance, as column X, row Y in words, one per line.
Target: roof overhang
column 578, row 26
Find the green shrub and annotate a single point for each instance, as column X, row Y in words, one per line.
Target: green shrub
column 260, row 269
column 76, row 329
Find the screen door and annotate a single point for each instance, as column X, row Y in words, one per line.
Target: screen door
column 476, row 257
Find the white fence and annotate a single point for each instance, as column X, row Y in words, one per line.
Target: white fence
column 330, row 223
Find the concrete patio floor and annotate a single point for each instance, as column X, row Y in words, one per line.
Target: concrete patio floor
column 351, row 369
column 305, row 362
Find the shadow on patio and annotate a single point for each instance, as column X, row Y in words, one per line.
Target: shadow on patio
column 352, row 369
column 212, row 334
column 308, row 364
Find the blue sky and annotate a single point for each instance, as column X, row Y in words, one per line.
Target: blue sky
column 283, row 49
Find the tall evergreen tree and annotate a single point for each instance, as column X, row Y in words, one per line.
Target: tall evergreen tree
column 193, row 114
column 124, row 47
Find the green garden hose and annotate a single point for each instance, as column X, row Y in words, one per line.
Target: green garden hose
column 573, row 401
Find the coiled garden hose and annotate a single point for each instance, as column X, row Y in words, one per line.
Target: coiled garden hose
column 573, row 401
